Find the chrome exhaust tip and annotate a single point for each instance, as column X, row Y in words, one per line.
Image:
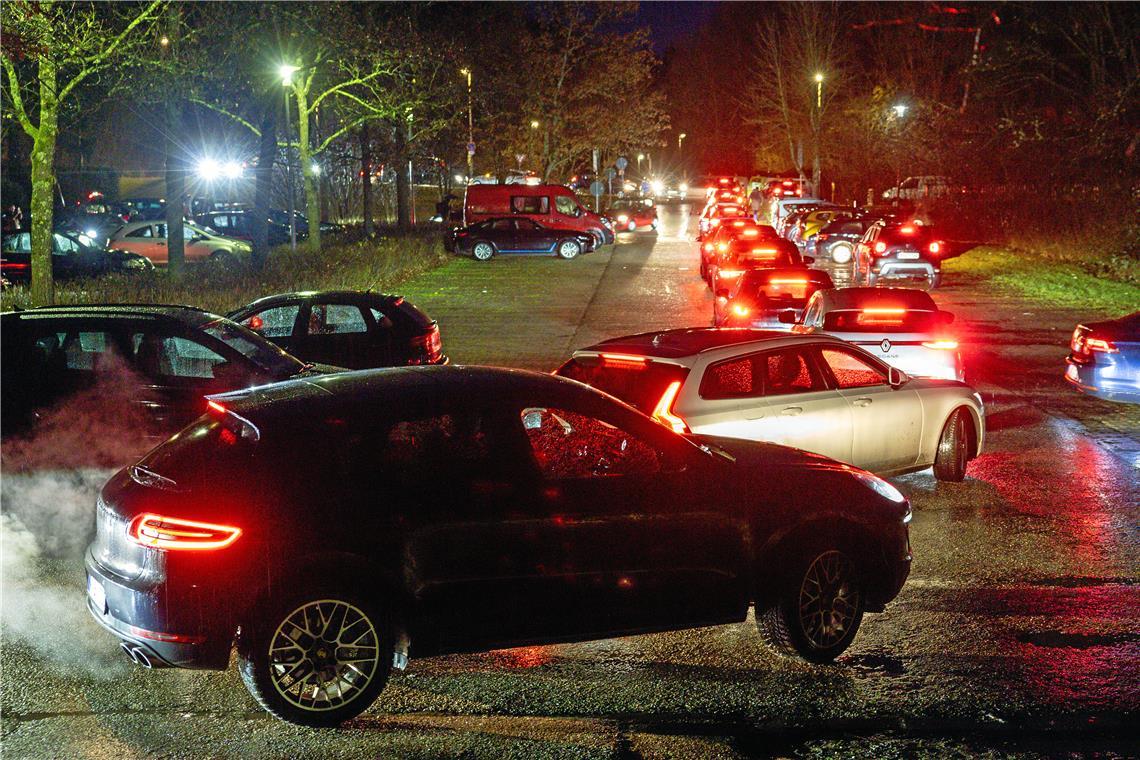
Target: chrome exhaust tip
column 141, row 658
column 129, row 652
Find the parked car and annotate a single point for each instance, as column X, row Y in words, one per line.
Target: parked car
column 782, row 207
column 149, row 239
column 899, row 250
column 301, row 225
column 552, row 206
column 352, row 329
column 1104, row 359
column 169, row 357
column 837, row 241
column 239, row 224
column 813, row 222
column 71, row 256
column 901, row 326
column 335, row 527
column 768, row 298
column 744, row 254
column 813, row 392
column 96, row 226
column 518, row 235
column 142, row 209
column 630, row 216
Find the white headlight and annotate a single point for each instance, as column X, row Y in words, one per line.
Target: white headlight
column 879, row 486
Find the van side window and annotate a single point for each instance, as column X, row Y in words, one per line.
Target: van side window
column 530, row 204
column 566, row 206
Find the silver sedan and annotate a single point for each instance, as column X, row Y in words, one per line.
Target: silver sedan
column 812, row 392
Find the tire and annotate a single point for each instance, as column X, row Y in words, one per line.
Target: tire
column 482, row 251
column 289, row 625
column 953, row 449
column 840, row 253
column 825, row 582
column 223, row 259
column 569, row 249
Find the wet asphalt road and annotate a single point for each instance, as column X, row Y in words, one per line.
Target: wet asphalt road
column 1018, row 631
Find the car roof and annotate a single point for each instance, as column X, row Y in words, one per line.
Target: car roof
column 837, row 299
column 356, row 296
column 188, row 315
column 674, row 344
column 395, row 389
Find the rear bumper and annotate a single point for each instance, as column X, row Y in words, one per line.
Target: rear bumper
column 892, row 268
column 138, row 617
column 1095, row 381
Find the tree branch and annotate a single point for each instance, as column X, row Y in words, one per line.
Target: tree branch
column 17, row 99
column 218, row 109
column 95, row 62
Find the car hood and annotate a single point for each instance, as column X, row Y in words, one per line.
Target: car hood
column 767, row 455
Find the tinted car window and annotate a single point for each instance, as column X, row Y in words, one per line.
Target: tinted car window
column 639, row 384
column 788, row 372
column 171, row 357
column 733, row 378
column 19, row 243
column 338, row 318
column 526, row 224
column 83, row 350
column 568, row 445
column 276, row 322
column 144, row 232
column 502, row 224
column 851, row 371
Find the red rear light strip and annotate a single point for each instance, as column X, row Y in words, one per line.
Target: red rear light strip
column 663, row 412
column 159, row 532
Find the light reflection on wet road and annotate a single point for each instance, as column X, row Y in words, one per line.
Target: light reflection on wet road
column 1019, row 628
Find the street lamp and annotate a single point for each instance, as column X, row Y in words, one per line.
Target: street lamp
column 286, row 72
column 680, row 138
column 534, row 124
column 819, row 91
column 899, row 109
column 470, row 127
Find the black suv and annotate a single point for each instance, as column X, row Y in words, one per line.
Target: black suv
column 337, row 525
column 161, row 359
column 347, row 328
column 890, row 250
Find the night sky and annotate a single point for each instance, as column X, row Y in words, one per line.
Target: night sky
column 671, row 21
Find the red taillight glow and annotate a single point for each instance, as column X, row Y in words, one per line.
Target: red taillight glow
column 426, row 348
column 789, row 281
column 751, row 232
column 935, row 247
column 722, row 247
column 907, row 230
column 214, row 406
column 1099, row 344
column 740, row 310
column 171, row 533
column 715, row 222
column 624, row 360
column 880, row 247
column 947, row 345
column 729, row 273
column 255, row 323
column 708, row 247
column 663, row 412
column 738, row 223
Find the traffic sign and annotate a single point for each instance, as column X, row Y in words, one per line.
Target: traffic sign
column 621, row 163
column 471, row 148
column 597, row 188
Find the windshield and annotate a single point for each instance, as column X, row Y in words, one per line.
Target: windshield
column 255, row 348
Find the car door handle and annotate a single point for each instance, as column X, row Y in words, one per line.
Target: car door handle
column 791, row 411
column 862, row 401
column 753, row 413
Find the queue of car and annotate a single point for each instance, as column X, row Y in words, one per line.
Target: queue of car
column 440, row 493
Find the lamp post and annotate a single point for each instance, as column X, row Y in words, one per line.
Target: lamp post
column 899, row 110
column 815, row 169
column 286, row 71
column 640, row 158
column 470, row 127
column 680, row 139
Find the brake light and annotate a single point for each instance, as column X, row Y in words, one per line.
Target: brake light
column 880, row 247
column 214, row 406
column 255, row 323
column 935, row 247
column 426, row 348
column 728, row 273
column 751, row 232
column 738, row 223
column 789, row 281
column 823, row 235
column 663, row 412
column 907, row 230
column 171, row 533
column 892, row 311
column 722, row 247
column 708, row 247
column 1099, row 344
column 741, row 310
column 947, row 345
column 624, row 360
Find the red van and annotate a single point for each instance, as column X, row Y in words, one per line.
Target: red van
column 549, row 205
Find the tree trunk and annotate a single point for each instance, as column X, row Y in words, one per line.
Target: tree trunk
column 175, row 166
column 308, row 179
column 366, row 175
column 403, row 185
column 42, row 207
column 263, row 181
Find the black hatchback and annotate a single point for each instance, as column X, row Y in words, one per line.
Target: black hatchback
column 156, row 361
column 517, row 235
column 346, row 328
column 337, row 525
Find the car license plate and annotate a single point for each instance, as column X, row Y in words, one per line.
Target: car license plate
column 97, row 595
column 908, row 254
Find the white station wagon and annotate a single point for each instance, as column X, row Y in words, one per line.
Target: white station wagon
column 813, row 392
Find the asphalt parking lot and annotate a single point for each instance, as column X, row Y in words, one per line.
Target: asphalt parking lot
column 1018, row 631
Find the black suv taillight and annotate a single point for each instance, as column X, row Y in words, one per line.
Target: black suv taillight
column 426, row 348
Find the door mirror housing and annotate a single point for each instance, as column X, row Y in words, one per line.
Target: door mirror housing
column 896, row 377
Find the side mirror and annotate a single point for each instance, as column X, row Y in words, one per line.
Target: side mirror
column 809, row 259
column 896, row 377
column 946, row 317
column 787, row 317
